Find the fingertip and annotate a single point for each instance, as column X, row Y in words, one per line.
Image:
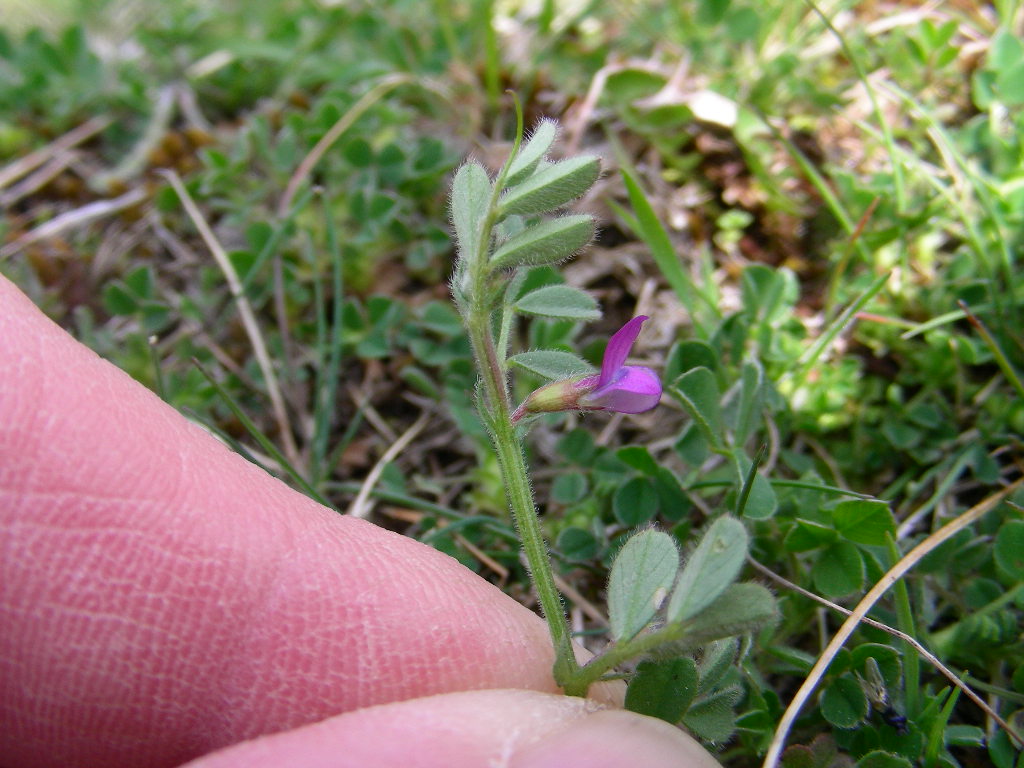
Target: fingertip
column 509, row 728
column 455, row 730
column 615, row 739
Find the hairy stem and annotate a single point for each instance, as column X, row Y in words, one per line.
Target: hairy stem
column 496, row 411
column 520, row 497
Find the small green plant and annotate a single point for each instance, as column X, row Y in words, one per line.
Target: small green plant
column 657, row 608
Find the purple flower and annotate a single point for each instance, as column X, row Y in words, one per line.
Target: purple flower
column 622, row 388
column 619, row 387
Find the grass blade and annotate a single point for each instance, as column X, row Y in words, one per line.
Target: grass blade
column 656, row 238
column 810, row 357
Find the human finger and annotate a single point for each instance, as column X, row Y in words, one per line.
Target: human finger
column 161, row 597
column 509, row 728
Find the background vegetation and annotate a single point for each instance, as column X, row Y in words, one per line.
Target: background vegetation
column 820, row 206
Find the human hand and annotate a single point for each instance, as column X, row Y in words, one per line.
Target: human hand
column 162, row 599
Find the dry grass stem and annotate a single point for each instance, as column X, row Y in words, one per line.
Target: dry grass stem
column 591, row 611
column 483, row 557
column 360, row 506
column 336, row 131
column 252, row 328
column 39, row 179
column 74, row 137
column 137, row 159
column 75, row 218
column 361, row 400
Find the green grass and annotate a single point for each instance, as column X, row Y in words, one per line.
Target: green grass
column 837, row 247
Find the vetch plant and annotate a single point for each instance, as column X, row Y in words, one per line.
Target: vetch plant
column 503, row 227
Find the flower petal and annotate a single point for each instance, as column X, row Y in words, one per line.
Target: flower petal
column 617, row 351
column 634, row 390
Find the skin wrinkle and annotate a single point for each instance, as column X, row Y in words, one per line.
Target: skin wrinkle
column 122, row 636
column 105, row 672
column 80, row 593
column 241, row 673
column 292, row 586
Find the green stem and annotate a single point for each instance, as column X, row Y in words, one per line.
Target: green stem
column 619, row 653
column 905, row 618
column 997, row 352
column 496, row 412
column 520, row 497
